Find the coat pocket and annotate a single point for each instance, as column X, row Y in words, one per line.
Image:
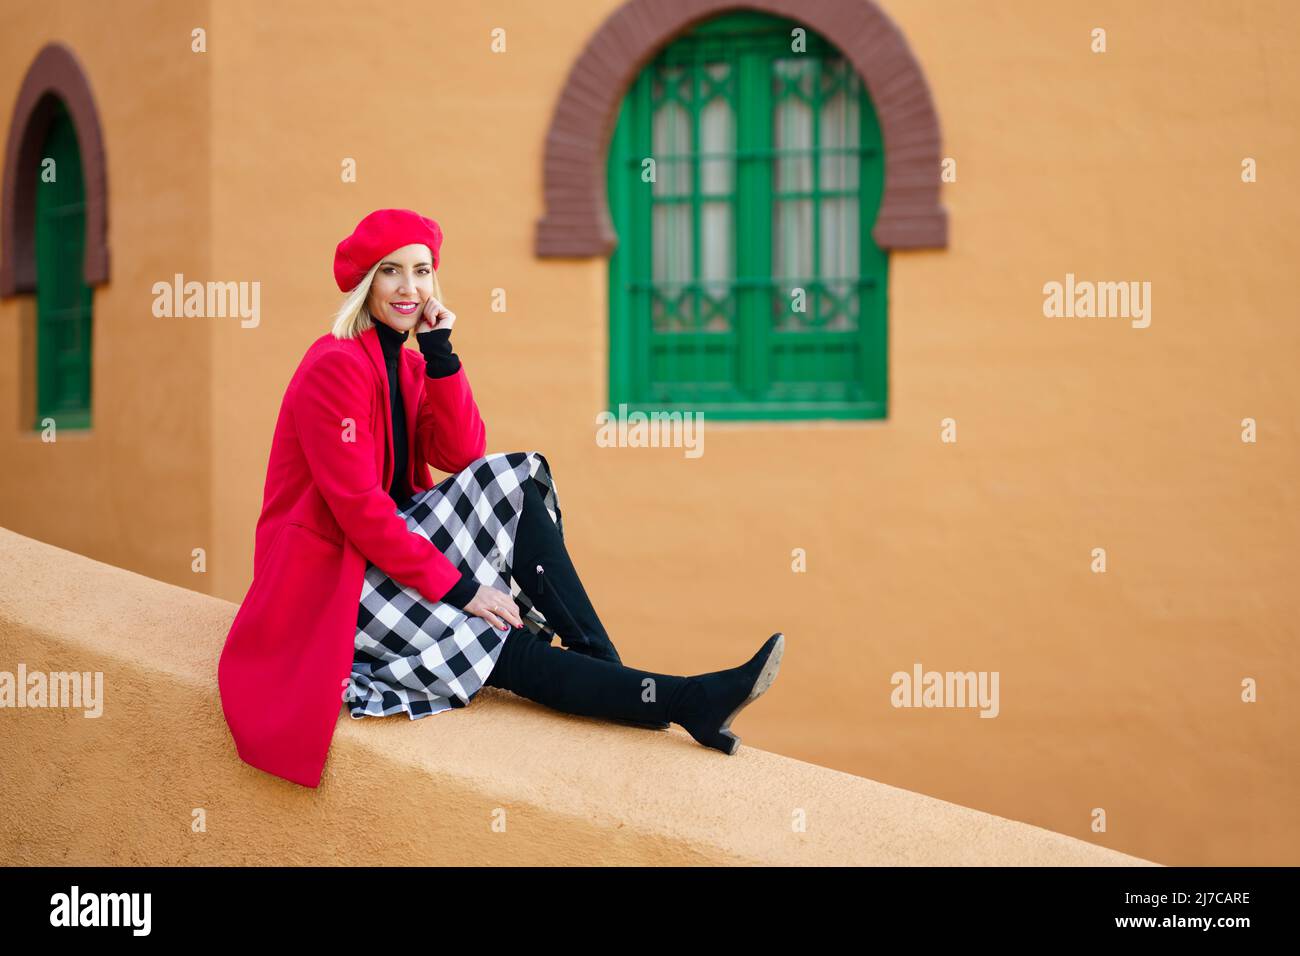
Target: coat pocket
column 331, row 541
column 304, row 567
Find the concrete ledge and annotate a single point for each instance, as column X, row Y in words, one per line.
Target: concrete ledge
column 127, row 787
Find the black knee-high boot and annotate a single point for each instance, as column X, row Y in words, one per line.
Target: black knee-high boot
column 556, row 589
column 578, row 684
column 705, row 704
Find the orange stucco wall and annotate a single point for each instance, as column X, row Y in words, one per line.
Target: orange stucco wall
column 136, row 488
column 136, row 767
column 1119, row 691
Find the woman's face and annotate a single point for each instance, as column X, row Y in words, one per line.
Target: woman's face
column 403, row 283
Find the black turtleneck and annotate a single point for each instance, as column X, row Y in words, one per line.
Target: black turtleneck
column 440, row 361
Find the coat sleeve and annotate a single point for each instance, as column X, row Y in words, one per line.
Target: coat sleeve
column 334, row 391
column 449, row 433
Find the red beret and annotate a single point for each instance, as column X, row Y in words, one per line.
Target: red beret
column 381, row 232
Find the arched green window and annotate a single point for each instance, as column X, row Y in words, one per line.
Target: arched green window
column 63, row 299
column 745, row 172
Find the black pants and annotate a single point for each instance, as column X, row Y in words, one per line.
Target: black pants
column 569, row 680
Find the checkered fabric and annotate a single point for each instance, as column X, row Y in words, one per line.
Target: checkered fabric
column 423, row 657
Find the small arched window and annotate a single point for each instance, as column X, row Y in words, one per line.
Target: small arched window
column 63, row 299
column 745, row 173
column 54, row 227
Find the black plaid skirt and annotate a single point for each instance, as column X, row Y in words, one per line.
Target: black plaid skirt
column 423, row 657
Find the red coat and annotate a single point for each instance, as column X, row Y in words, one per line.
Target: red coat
column 325, row 512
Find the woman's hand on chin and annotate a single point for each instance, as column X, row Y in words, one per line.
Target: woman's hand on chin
column 434, row 316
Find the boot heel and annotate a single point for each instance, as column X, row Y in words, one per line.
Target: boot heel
column 743, row 685
column 723, row 740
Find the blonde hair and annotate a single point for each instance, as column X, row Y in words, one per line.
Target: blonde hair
column 353, row 318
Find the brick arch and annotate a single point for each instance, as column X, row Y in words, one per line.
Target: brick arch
column 56, row 74
column 576, row 219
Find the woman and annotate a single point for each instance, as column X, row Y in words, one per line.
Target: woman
column 461, row 584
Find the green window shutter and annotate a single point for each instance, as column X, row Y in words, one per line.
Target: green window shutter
column 63, row 300
column 745, row 283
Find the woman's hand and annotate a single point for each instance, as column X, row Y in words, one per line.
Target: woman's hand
column 434, row 316
column 494, row 606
